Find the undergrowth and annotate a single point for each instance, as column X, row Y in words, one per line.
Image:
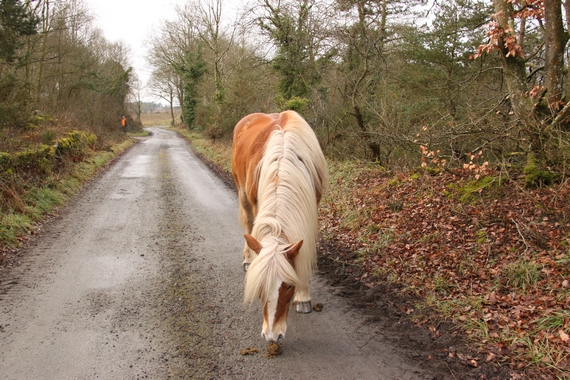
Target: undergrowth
column 486, row 253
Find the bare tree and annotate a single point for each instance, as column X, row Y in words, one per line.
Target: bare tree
column 163, row 85
column 177, row 48
column 217, row 37
column 135, row 97
column 538, row 100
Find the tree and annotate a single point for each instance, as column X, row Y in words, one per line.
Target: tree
column 442, row 83
column 74, row 72
column 192, row 68
column 249, row 81
column 16, row 21
column 163, row 56
column 363, row 37
column 163, row 85
column 538, row 100
column 218, row 39
column 292, row 27
column 136, row 94
column 177, row 49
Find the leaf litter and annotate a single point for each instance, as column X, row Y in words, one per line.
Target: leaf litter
column 490, row 255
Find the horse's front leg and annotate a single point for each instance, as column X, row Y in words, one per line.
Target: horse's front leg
column 302, row 299
column 248, row 257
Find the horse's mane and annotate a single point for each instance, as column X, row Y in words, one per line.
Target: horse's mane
column 291, row 173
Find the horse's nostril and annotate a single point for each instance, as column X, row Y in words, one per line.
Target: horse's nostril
column 280, row 337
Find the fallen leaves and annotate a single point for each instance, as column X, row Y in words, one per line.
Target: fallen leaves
column 563, row 336
column 500, row 257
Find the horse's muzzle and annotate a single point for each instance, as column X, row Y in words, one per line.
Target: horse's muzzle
column 270, row 337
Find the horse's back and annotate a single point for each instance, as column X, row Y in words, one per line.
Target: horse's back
column 252, row 132
column 250, row 136
column 249, row 141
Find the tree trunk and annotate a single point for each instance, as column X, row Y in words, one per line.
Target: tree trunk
column 554, row 41
column 513, row 65
column 170, row 102
column 373, row 145
column 138, row 111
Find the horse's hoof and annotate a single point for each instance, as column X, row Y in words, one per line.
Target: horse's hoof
column 245, row 267
column 303, row 307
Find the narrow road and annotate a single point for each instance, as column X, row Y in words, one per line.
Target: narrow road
column 140, row 277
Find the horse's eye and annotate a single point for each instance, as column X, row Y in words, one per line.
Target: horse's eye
column 289, row 287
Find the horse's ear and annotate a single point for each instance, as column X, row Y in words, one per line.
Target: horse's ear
column 252, row 243
column 294, row 250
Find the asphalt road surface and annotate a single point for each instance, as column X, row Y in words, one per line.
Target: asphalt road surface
column 140, row 276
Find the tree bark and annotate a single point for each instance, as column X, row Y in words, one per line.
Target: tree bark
column 554, row 40
column 513, row 65
column 373, row 145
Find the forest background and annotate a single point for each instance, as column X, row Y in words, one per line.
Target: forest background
column 445, row 124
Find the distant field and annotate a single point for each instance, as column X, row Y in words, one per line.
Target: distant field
column 158, row 119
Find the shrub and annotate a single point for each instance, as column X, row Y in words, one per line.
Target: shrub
column 537, row 176
column 75, row 145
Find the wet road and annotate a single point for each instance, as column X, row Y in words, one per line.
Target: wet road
column 140, row 277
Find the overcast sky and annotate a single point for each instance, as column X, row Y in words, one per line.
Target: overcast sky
column 132, row 22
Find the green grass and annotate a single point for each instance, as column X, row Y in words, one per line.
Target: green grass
column 471, row 191
column 41, row 200
column 13, row 226
column 142, row 133
column 556, row 321
column 101, row 159
column 540, row 352
column 523, row 274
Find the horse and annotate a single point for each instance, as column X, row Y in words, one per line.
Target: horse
column 280, row 173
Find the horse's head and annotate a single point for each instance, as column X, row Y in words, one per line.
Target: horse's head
column 274, row 281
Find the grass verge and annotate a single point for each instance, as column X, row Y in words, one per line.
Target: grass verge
column 218, row 152
column 40, row 198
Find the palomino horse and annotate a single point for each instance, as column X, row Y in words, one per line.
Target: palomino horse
column 280, row 173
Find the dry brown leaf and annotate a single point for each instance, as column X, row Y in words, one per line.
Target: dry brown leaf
column 563, row 336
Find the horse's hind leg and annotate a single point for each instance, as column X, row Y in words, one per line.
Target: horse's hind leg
column 246, row 219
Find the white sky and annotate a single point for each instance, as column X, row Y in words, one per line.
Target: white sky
column 132, row 22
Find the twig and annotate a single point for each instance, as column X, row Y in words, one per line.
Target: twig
column 450, row 371
column 521, row 235
column 563, row 114
column 369, row 339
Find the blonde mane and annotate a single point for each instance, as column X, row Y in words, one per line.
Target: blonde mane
column 292, row 174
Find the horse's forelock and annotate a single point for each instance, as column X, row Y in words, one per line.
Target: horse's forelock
column 271, row 264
